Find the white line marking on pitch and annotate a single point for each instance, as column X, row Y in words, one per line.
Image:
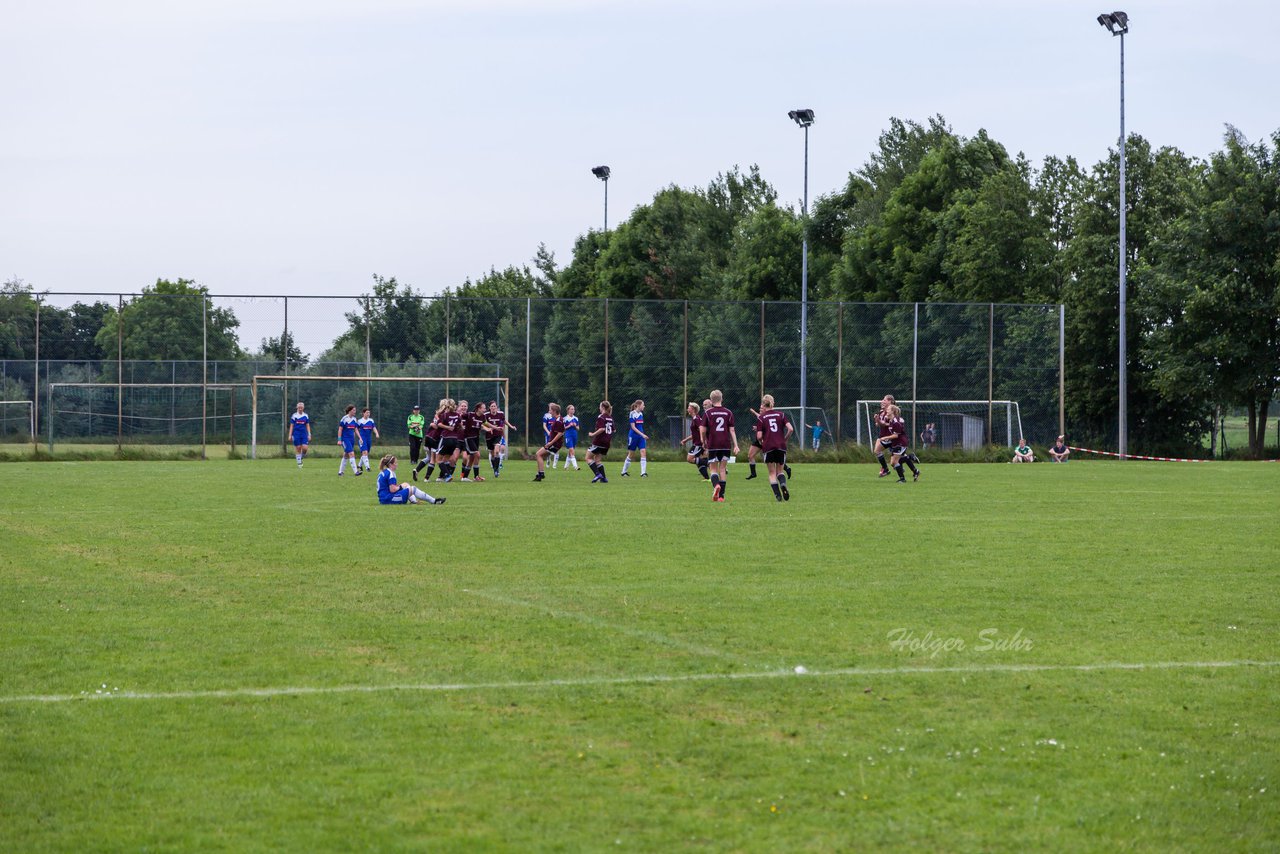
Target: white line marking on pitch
column 596, row 622
column 605, row 681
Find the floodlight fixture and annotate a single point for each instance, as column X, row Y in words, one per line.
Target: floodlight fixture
column 601, row 172
column 804, row 118
column 1117, row 23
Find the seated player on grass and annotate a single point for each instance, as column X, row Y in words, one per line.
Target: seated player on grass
column 391, row 492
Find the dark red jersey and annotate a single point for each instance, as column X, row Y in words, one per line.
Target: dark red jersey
column 773, row 430
column 451, row 425
column 555, row 433
column 604, row 438
column 718, row 421
column 882, row 421
column 898, row 429
column 471, row 425
column 696, row 426
column 433, row 430
column 497, row 421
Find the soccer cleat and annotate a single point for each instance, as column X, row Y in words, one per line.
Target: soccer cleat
column 358, row 472
column 646, row 474
column 883, row 474
column 751, row 476
column 720, row 499
column 787, row 469
column 597, row 479
column 438, row 501
column 447, row 479
column 538, row 477
column 478, row 479
column 626, row 474
column 604, row 480
column 777, row 496
column 915, row 476
column 339, row 474
column 415, row 474
column 715, row 493
column 786, row 493
column 902, row 480
column 465, row 480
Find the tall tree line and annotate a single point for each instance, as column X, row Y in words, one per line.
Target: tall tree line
column 931, row 217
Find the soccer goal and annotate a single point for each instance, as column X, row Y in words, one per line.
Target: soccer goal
column 956, row 424
column 147, row 413
column 389, row 399
column 17, row 421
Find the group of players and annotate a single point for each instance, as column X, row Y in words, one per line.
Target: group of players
column 453, row 437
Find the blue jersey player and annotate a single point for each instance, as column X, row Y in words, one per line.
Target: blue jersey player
column 637, row 439
column 368, row 430
column 571, row 437
column 300, row 424
column 349, row 440
column 392, row 492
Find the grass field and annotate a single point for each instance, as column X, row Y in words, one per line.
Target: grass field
column 242, row 656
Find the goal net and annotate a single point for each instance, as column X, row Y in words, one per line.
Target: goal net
column 17, row 421
column 949, row 424
column 390, row 400
column 148, row 413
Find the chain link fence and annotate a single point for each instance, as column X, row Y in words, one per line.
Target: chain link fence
column 177, row 369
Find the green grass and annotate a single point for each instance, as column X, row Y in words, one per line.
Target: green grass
column 587, row 667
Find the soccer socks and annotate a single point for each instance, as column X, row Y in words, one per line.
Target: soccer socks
column 702, row 468
column 364, row 461
column 782, row 487
column 299, row 458
column 493, row 461
column 753, row 471
column 902, row 478
column 884, row 467
column 787, row 469
column 644, row 466
column 911, row 464
column 626, row 464
column 777, row 491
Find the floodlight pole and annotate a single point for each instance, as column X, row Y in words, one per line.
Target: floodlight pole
column 1117, row 23
column 804, row 118
column 602, row 172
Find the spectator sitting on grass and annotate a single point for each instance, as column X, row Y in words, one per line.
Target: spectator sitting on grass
column 1022, row 453
column 1059, row 452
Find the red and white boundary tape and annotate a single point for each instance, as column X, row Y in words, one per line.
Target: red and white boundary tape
column 1137, row 457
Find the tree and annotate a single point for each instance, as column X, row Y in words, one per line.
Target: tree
column 281, row 348
column 1218, row 332
column 168, row 322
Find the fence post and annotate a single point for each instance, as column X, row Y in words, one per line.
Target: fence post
column 685, row 400
column 835, row 440
column 204, row 376
column 762, row 351
column 991, row 374
column 35, row 385
column 606, row 348
column 1062, row 369
column 448, row 321
column 528, row 327
column 119, row 372
column 368, row 350
column 915, row 368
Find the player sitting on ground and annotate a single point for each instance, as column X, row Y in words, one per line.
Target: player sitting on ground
column 392, row 492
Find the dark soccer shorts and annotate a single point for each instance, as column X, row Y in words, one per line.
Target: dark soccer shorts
column 472, row 444
column 447, row 446
column 695, row 451
column 779, row 457
column 756, row 443
column 895, row 450
column 491, row 442
column 717, row 456
column 598, row 451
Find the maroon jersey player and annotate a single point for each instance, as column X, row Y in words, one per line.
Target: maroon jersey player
column 599, row 441
column 897, row 441
column 695, row 439
column 555, row 439
column 773, row 430
column 495, row 430
column 884, row 433
column 722, row 442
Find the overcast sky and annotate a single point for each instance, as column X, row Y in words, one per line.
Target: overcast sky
column 300, row 146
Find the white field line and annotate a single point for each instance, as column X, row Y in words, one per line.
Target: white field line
column 596, row 622
column 654, row 679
